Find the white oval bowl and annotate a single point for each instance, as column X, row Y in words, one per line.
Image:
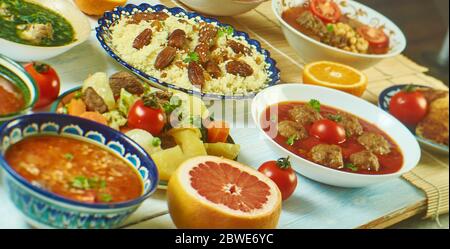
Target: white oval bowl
column 222, row 7
column 351, row 104
column 311, row 50
column 80, row 24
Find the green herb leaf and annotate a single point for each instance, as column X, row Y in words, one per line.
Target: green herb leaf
column 192, row 56
column 173, row 104
column 335, row 118
column 80, row 182
column 102, row 184
column 409, row 88
column 68, row 156
column 78, row 95
column 105, row 197
column 314, row 103
column 225, row 31
column 291, row 140
column 156, row 142
column 64, row 110
column 351, row 166
column 330, row 28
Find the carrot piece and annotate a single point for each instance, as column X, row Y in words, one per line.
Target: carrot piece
column 218, row 131
column 76, row 107
column 95, row 116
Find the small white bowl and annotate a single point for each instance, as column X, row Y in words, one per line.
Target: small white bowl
column 80, row 24
column 222, row 7
column 351, row 104
column 311, row 50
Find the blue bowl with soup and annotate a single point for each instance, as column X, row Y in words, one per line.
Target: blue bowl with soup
column 18, row 92
column 66, row 172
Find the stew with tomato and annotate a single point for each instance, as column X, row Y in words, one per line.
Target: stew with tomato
column 332, row 138
column 11, row 99
column 75, row 169
column 323, row 21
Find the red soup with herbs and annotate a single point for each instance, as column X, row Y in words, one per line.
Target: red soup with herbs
column 11, row 100
column 75, row 169
column 332, row 138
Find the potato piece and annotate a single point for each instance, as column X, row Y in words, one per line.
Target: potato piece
column 189, row 141
column 230, row 151
column 146, row 140
column 168, row 161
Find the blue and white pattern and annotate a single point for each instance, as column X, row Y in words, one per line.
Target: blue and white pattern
column 46, row 209
column 385, row 99
column 104, row 37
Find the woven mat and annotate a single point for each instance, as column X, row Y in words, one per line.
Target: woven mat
column 432, row 174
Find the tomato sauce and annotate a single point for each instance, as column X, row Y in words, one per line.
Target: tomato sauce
column 75, row 169
column 11, row 100
column 389, row 163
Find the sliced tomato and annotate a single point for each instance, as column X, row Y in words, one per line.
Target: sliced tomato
column 378, row 40
column 327, row 10
column 218, row 132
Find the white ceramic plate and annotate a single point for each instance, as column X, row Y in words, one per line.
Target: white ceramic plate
column 80, row 23
column 312, row 50
column 351, row 104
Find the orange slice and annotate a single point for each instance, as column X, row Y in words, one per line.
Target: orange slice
column 98, row 7
column 337, row 76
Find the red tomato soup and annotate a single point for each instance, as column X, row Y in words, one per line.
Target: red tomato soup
column 75, row 169
column 11, row 100
column 366, row 149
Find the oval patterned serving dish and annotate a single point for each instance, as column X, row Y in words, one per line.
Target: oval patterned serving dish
column 104, row 35
column 43, row 209
column 384, row 101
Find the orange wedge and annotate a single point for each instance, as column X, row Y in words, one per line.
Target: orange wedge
column 337, row 76
column 98, row 7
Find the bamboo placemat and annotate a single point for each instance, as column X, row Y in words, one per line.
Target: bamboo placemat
column 432, row 173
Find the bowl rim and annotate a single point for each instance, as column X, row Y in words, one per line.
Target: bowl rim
column 33, row 89
column 324, row 169
column 69, row 45
column 428, row 142
column 273, row 79
column 323, row 45
column 64, row 200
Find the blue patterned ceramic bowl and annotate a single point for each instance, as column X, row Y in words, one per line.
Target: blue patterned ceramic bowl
column 385, row 99
column 104, row 37
column 17, row 76
column 44, row 209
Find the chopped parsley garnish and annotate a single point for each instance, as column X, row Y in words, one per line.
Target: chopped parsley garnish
column 335, row 118
column 64, row 110
column 84, row 183
column 173, row 104
column 156, row 142
column 315, row 104
column 225, row 31
column 192, row 56
column 291, row 140
column 105, row 197
column 351, row 166
column 68, row 156
column 330, row 28
column 78, row 95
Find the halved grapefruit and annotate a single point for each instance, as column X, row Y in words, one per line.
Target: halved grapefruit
column 213, row 192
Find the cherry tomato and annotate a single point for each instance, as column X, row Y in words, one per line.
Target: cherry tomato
column 378, row 40
column 47, row 81
column 147, row 116
column 328, row 131
column 282, row 174
column 218, row 132
column 327, row 10
column 409, row 106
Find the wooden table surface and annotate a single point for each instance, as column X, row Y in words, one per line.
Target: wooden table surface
column 313, row 205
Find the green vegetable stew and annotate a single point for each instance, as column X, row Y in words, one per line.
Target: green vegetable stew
column 28, row 23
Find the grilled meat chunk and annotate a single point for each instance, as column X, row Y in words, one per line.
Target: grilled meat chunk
column 304, row 114
column 93, row 101
column 351, row 124
column 375, row 143
column 127, row 81
column 289, row 129
column 327, row 155
column 365, row 160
